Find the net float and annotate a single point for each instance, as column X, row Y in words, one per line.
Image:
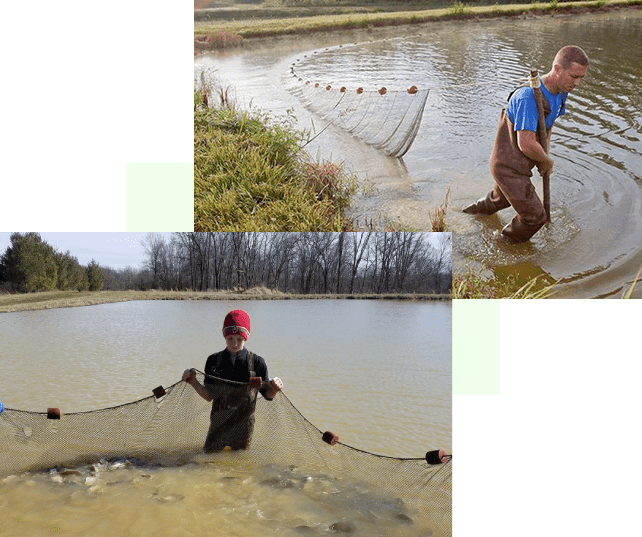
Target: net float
column 256, row 382
column 359, row 90
column 437, row 456
column 412, row 90
column 330, row 438
column 383, row 91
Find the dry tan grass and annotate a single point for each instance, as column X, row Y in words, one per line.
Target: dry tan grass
column 72, row 299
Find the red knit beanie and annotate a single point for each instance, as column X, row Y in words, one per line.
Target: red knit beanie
column 236, row 322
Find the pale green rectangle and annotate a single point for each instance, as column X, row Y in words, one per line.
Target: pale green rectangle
column 160, row 197
column 476, row 347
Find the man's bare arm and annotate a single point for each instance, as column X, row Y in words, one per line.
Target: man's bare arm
column 528, row 144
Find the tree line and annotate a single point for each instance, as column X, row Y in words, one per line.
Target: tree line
column 306, row 263
column 29, row 264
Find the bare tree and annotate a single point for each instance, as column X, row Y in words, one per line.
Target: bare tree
column 154, row 247
column 359, row 248
column 299, row 262
column 339, row 251
column 443, row 263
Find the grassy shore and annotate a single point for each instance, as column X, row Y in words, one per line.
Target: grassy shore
column 252, row 174
column 220, row 28
column 72, row 299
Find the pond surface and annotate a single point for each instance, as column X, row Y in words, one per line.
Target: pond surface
column 593, row 245
column 377, row 373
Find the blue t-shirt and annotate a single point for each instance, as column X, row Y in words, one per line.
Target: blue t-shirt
column 522, row 108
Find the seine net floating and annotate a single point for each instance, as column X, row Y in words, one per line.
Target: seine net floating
column 175, row 425
column 386, row 119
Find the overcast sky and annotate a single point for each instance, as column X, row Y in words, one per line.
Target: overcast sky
column 116, row 250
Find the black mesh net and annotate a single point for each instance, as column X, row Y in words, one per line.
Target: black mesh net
column 176, row 425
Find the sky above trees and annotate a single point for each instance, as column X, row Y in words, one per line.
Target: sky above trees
column 116, row 250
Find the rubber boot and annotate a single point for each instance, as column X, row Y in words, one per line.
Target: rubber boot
column 484, row 206
column 517, row 231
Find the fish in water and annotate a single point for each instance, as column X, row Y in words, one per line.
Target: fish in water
column 344, row 526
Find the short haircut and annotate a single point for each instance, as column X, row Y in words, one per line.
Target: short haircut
column 569, row 55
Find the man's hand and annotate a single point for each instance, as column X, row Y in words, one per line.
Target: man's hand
column 545, row 167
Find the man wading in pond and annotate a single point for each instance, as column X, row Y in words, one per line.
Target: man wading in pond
column 517, row 149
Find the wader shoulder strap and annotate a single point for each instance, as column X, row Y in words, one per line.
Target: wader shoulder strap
column 512, row 92
column 250, row 364
column 547, row 107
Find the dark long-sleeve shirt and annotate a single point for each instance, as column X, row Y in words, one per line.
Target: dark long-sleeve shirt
column 224, row 366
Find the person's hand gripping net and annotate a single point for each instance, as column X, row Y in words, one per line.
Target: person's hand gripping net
column 276, row 385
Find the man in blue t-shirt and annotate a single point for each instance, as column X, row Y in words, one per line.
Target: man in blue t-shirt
column 517, row 148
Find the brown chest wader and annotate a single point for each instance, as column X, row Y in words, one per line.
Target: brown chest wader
column 511, row 170
column 232, row 415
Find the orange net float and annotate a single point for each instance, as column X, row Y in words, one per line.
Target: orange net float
column 256, row 383
column 359, row 90
column 437, row 456
column 330, row 438
column 53, row 413
column 383, row 91
column 412, row 90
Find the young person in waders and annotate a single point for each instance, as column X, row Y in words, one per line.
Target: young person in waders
column 232, row 415
column 518, row 149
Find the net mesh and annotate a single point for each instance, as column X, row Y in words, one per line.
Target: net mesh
column 387, row 120
column 180, row 426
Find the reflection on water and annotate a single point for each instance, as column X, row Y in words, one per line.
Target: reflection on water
column 378, row 373
column 594, row 242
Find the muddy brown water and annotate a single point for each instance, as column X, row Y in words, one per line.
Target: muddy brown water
column 593, row 245
column 377, row 373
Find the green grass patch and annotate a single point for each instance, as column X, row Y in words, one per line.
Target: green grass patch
column 251, row 174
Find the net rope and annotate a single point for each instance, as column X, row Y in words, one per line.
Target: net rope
column 387, row 120
column 179, row 426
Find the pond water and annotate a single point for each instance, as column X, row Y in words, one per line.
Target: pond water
column 377, row 373
column 593, row 245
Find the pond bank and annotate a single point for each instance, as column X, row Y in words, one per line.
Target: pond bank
column 219, row 33
column 72, row 299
